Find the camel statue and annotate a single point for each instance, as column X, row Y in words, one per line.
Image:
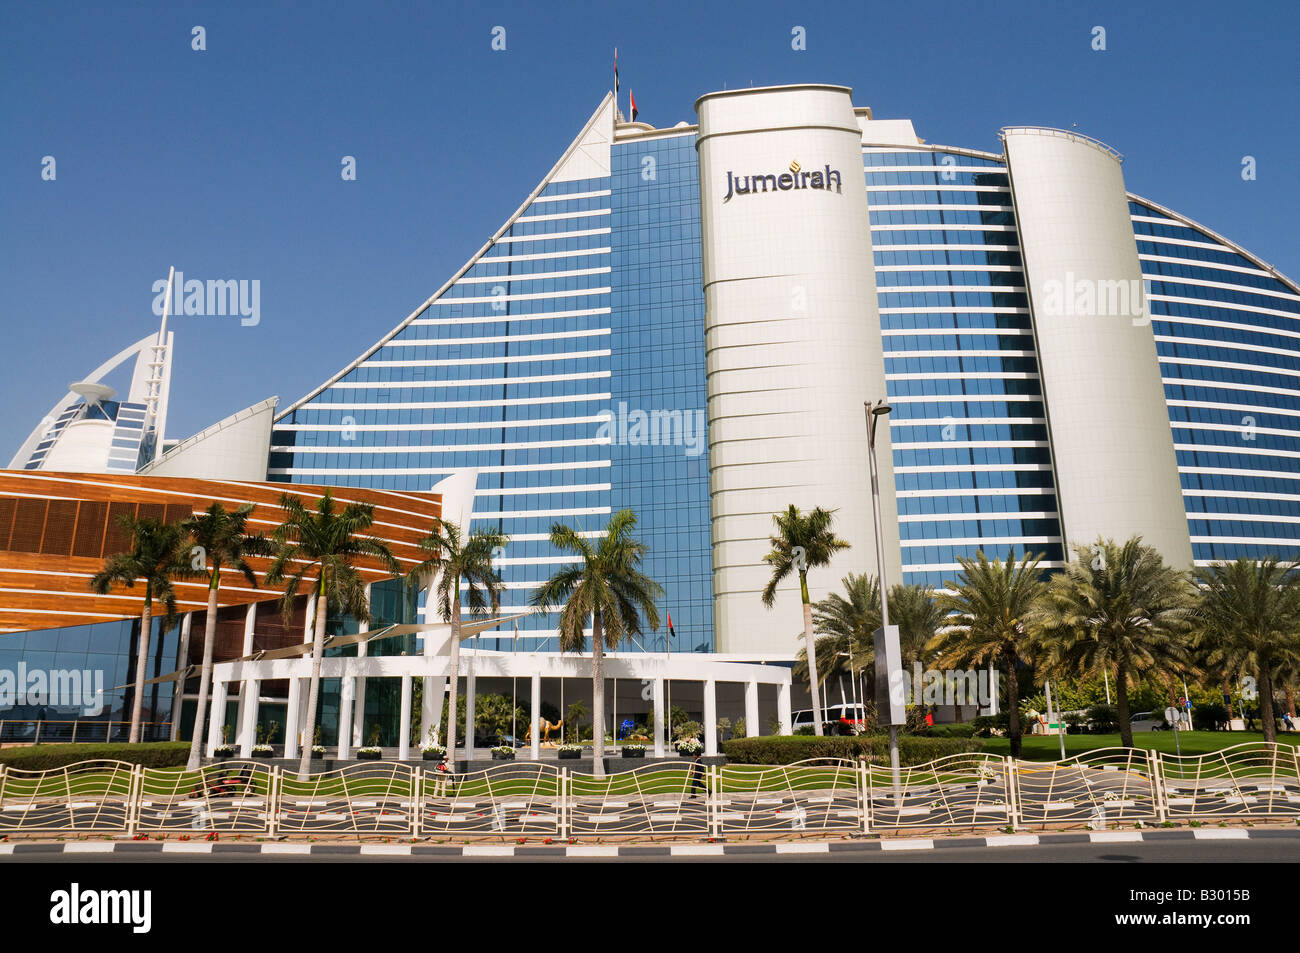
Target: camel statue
column 547, row 728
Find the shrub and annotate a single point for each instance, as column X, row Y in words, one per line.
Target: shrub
column 1103, row 720
column 986, row 725
column 1210, row 716
column 787, row 749
column 963, row 730
column 159, row 754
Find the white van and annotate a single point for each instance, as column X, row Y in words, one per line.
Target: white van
column 843, row 716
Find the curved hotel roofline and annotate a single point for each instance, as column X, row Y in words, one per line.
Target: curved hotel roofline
column 622, row 319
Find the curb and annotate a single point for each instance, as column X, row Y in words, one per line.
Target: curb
column 141, row 849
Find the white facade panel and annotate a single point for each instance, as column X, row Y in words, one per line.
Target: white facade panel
column 1116, row 472
column 792, row 338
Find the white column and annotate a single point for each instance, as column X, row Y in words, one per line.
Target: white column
column 248, row 692
column 217, row 715
column 783, row 708
column 292, row 719
column 182, row 660
column 404, row 725
column 247, row 689
column 435, row 690
column 536, row 734
column 470, row 679
column 751, row 709
column 346, row 686
column 660, row 714
column 710, row 717
column 359, row 704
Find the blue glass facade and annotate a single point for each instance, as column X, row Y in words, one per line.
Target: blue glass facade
column 1228, row 335
column 586, row 310
column 658, row 324
column 972, row 466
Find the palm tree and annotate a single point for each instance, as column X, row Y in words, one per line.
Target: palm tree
column 159, row 553
column 1248, row 619
column 324, row 542
column 1117, row 609
column 802, row 542
column 847, row 624
column 460, row 560
column 223, row 537
column 607, row 586
column 987, row 608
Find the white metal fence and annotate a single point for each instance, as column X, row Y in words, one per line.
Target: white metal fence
column 541, row 799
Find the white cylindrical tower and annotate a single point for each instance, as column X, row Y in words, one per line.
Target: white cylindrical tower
column 1112, row 448
column 793, row 345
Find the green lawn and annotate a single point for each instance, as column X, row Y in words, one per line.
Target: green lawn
column 1047, row 747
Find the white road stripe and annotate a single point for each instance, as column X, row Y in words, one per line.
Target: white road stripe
column 912, row 843
column 400, row 850
column 183, row 847
column 89, row 847
column 696, row 850
column 591, row 850
column 1114, row 837
column 1218, row 833
column 286, row 848
column 488, row 850
column 803, row 848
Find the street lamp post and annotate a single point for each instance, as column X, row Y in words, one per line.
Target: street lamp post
column 876, row 410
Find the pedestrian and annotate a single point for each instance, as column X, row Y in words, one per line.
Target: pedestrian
column 1286, row 720
column 697, row 775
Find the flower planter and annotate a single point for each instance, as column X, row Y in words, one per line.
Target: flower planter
column 318, row 755
column 569, row 755
column 685, row 753
column 263, row 754
column 369, row 755
column 637, row 753
column 503, row 756
column 433, row 755
column 224, row 755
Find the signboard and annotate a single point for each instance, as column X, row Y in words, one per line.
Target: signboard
column 891, row 692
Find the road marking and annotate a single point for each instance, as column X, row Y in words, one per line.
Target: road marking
column 1114, row 837
column 912, row 843
column 488, row 850
column 604, row 818
column 665, row 817
column 286, row 848
column 1221, row 834
column 591, row 850
column 6, row 848
column 695, row 850
column 803, row 848
column 401, row 850
column 1011, row 840
column 180, row 847
column 89, row 847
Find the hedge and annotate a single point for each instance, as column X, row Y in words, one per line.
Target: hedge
column 159, row 754
column 787, row 749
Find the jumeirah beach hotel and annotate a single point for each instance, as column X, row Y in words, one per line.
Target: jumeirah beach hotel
column 687, row 321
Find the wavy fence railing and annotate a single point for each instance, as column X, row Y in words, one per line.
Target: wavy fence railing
column 541, row 799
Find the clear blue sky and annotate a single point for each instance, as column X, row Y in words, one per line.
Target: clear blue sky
column 226, row 163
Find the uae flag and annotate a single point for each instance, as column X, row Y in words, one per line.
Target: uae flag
column 616, row 76
column 671, row 634
column 632, row 96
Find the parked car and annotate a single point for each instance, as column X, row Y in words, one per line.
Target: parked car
column 1149, row 721
column 840, row 719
